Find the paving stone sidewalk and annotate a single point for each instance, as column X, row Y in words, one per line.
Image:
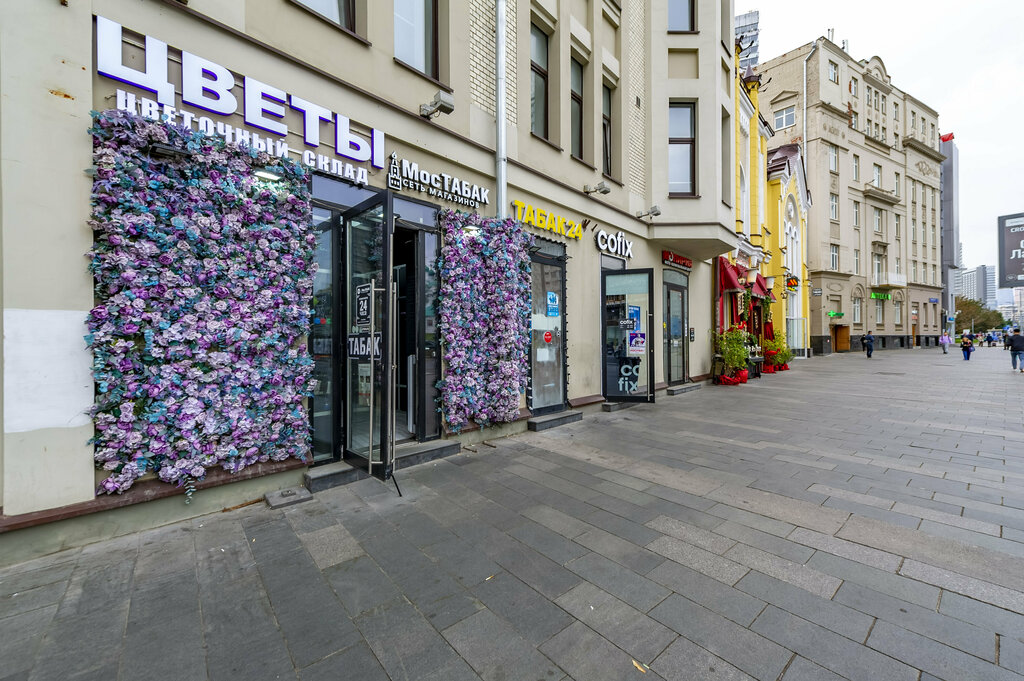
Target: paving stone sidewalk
column 850, row 519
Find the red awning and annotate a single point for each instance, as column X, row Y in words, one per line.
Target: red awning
column 771, row 295
column 760, row 289
column 728, row 280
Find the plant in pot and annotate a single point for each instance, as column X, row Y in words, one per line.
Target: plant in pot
column 733, row 346
column 777, row 354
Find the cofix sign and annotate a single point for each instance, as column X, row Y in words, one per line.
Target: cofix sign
column 676, row 260
column 207, row 86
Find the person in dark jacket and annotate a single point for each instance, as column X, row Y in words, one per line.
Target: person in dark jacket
column 1017, row 350
column 869, row 343
column 966, row 346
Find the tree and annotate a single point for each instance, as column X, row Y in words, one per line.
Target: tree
column 972, row 314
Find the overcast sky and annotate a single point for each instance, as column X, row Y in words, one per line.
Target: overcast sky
column 963, row 59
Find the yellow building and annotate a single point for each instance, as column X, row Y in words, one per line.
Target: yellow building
column 788, row 203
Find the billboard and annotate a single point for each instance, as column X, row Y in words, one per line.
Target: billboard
column 1011, row 250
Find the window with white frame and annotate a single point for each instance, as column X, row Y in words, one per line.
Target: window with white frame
column 833, row 206
column 913, row 229
column 896, row 227
column 878, row 219
column 877, row 176
column 899, row 267
column 896, row 184
column 913, row 120
column 879, row 312
column 876, row 267
column 856, row 261
column 856, row 213
column 896, row 110
column 853, row 87
column 856, row 167
column 883, row 105
column 833, row 158
column 785, row 118
column 913, row 191
column 935, row 276
column 854, row 121
column 833, row 251
column 897, row 312
column 913, row 271
column 857, row 303
column 833, row 72
column 416, row 35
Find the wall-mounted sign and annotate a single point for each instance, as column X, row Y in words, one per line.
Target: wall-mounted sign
column 815, row 291
column 547, row 336
column 615, row 245
column 210, row 87
column 403, row 174
column 676, row 260
column 880, row 296
column 629, row 324
column 552, row 304
column 933, row 300
column 546, row 220
column 792, row 283
column 363, row 305
column 833, row 313
column 360, row 345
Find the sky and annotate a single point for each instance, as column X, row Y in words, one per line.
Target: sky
column 963, row 59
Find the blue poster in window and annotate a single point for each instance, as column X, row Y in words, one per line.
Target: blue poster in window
column 633, row 312
column 552, row 304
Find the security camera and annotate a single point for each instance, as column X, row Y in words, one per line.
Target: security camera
column 655, row 211
column 444, row 102
column 600, row 188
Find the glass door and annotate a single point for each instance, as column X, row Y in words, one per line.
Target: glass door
column 326, row 400
column 627, row 319
column 547, row 337
column 369, row 297
column 675, row 334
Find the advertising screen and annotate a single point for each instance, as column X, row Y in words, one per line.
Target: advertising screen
column 1011, row 250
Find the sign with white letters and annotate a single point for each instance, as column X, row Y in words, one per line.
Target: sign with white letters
column 617, row 245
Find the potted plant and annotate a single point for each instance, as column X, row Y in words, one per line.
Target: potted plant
column 733, row 346
column 777, row 354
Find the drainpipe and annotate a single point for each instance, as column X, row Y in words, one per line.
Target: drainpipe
column 804, row 139
column 500, row 156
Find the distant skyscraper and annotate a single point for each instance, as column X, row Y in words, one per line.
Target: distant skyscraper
column 747, row 33
column 978, row 283
column 949, row 219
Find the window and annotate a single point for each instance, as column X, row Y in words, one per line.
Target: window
column 876, row 100
column 680, row 15
column 878, row 219
column 896, row 111
column 932, row 135
column 899, row 267
column 935, row 277
column 884, row 108
column 913, row 229
column 877, row 176
column 856, row 261
column 854, row 121
column 833, row 206
column 913, row 271
column 833, row 72
column 833, row 251
column 538, row 81
column 853, row 87
column 896, row 140
column 883, row 133
column 785, row 118
column 877, row 131
column 867, row 95
column 341, row 12
column 913, row 120
column 876, row 262
column 576, row 108
column 856, row 167
column 879, row 312
column 857, row 302
column 681, row 129
column 856, row 213
column 416, row 34
column 833, row 158
column 899, row 220
column 913, row 191
column 606, row 130
column 897, row 312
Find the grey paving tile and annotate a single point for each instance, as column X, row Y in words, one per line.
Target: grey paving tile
column 752, row 520
column 534, row 617
column 932, row 657
column 331, row 545
column 793, row 511
column 905, row 589
column 981, row 614
column 833, row 616
column 710, row 564
column 709, row 541
column 462, row 560
column 783, row 548
column 545, row 541
column 15, row 582
column 968, row 586
column 802, row 669
column 840, row 547
column 739, row 646
column 32, row 598
column 634, row 557
column 357, row 662
column 910, row 522
column 802, row 576
column 623, row 625
column 687, row 661
column 496, row 652
column 1011, row 653
column 562, row 523
column 584, row 654
column 640, row 592
column 711, row 593
column 960, row 635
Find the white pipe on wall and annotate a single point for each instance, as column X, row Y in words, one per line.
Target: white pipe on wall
column 803, row 140
column 500, row 155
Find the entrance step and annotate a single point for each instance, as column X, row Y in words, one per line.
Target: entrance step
column 287, row 497
column 413, row 453
column 685, row 388
column 616, row 406
column 538, row 423
column 332, row 475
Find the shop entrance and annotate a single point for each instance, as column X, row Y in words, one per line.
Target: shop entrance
column 373, row 330
column 627, row 321
column 675, row 326
column 841, row 338
column 547, row 336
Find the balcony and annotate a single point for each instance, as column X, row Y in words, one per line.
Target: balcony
column 888, row 280
column 874, row 192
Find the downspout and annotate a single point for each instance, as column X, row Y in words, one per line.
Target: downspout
column 500, row 156
column 803, row 151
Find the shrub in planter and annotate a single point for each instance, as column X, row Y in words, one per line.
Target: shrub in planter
column 733, row 347
column 777, row 351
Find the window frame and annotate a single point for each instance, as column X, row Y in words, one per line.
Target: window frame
column 833, row 158
column 878, row 221
column 857, row 302
column 856, row 261
column 856, row 214
column 433, row 54
column 856, row 168
column 833, row 206
column 350, row 6
column 879, row 312
column 543, row 73
column 690, row 142
column 781, row 115
column 576, row 136
column 833, row 72
column 606, row 129
column 691, row 19
column 833, row 255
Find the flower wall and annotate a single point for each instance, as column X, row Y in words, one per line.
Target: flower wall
column 203, row 274
column 484, row 318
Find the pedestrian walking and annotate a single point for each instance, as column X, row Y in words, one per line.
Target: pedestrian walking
column 869, row 343
column 945, row 341
column 1017, row 350
column 966, row 346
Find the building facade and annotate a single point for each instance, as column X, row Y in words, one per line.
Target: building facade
column 620, row 147
column 748, row 35
column 950, row 220
column 979, row 283
column 872, row 160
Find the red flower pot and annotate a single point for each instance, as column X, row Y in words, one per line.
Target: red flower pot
column 742, row 374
